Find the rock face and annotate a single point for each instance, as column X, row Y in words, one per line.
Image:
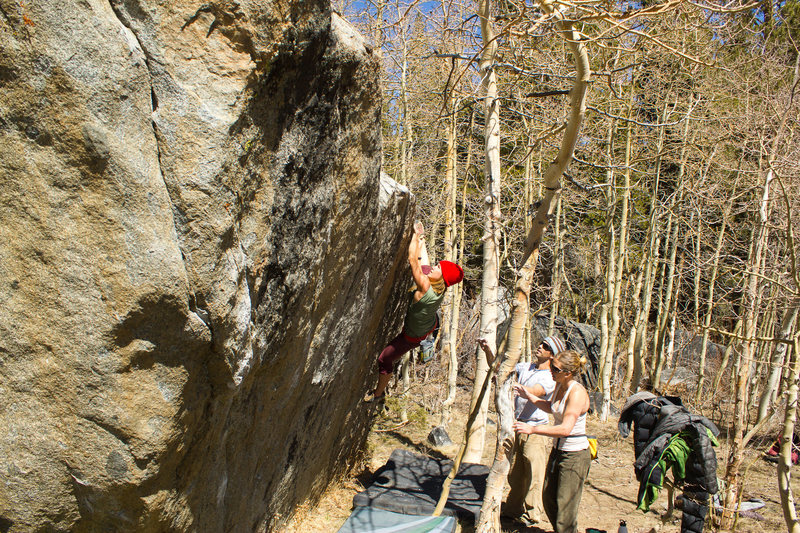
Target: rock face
column 198, row 261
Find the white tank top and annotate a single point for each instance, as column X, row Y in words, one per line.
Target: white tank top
column 576, row 440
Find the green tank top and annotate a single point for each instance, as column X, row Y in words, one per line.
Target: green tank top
column 421, row 315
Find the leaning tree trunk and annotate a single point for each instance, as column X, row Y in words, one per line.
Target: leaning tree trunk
column 491, row 235
column 489, row 520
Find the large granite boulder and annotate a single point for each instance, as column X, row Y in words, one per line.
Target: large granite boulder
column 199, row 260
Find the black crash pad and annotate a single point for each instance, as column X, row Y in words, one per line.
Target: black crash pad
column 411, row 483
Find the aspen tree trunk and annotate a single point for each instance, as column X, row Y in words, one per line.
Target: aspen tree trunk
column 489, row 520
column 736, row 454
column 450, row 173
column 763, row 353
column 750, row 299
column 665, row 303
column 405, row 364
column 448, row 309
column 618, row 270
column 473, row 411
column 748, row 348
column 785, row 459
column 377, row 30
column 669, row 351
column 653, row 253
column 659, row 345
column 697, row 270
column 406, row 138
column 640, row 344
column 452, row 374
column 640, row 330
column 491, row 234
column 726, row 355
column 673, row 324
column 701, row 373
column 625, row 388
column 608, row 277
column 604, row 369
column 778, row 362
column 792, row 377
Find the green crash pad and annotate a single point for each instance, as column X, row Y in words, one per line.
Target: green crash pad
column 371, row 520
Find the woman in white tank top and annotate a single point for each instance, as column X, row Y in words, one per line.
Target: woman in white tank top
column 568, row 465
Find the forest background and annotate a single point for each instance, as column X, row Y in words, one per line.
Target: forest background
column 675, row 219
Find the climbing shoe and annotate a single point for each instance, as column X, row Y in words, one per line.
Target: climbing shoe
column 371, row 398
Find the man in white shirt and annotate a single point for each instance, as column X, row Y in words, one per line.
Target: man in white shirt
column 524, row 502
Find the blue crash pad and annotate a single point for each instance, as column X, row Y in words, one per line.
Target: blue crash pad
column 370, row 520
column 410, row 483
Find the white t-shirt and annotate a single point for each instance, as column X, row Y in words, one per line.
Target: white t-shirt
column 528, row 376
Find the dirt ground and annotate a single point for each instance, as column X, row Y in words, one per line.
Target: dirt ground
column 609, row 495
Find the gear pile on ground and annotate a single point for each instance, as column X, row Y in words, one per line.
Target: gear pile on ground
column 667, row 436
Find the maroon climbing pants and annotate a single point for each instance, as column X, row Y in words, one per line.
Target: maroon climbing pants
column 399, row 346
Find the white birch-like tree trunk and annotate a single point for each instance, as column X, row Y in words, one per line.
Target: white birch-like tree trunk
column 736, row 454
column 406, row 136
column 455, row 309
column 785, row 457
column 701, row 373
column 449, row 311
column 778, row 360
column 616, row 295
column 611, row 244
column 665, row 300
column 792, row 378
column 742, row 378
column 491, row 234
column 556, row 277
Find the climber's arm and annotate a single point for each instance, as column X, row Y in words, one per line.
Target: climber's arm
column 422, row 281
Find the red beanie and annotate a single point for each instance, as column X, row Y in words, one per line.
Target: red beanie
column 451, row 272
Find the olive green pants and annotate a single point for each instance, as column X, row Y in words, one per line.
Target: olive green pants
column 563, row 487
column 526, row 478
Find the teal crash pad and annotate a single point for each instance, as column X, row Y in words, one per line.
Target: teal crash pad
column 372, row 520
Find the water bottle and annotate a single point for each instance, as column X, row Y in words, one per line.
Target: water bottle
column 623, row 528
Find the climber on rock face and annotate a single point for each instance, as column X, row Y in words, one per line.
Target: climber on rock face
column 431, row 283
